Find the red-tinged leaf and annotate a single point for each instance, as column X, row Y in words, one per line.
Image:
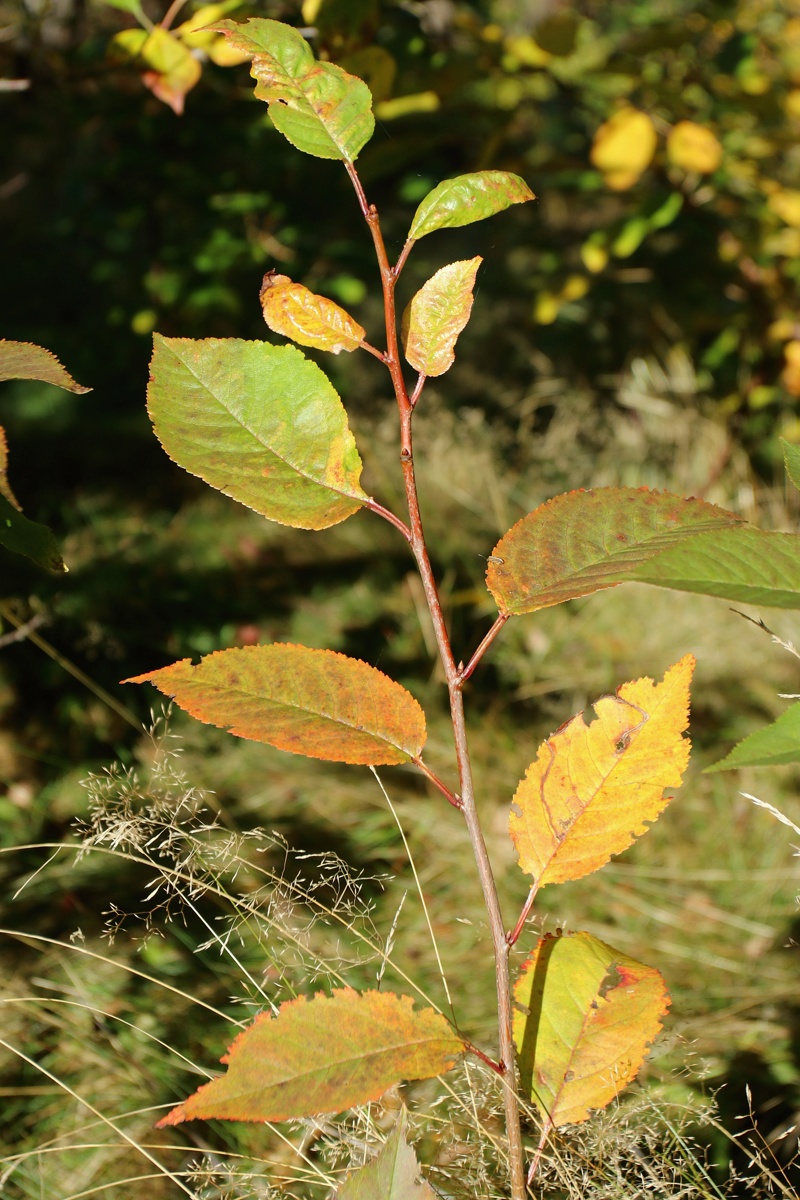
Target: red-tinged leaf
column 175, row 70
column 587, row 1016
column 297, row 313
column 261, row 423
column 23, row 360
column 593, row 789
column 317, row 106
column 436, row 315
column 584, row 541
column 312, row 702
column 393, row 1175
column 466, row 199
column 776, row 745
column 323, row 1055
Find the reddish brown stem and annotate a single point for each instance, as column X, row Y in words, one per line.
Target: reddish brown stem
column 437, row 783
column 484, row 646
column 418, row 386
column 378, row 353
column 454, row 688
column 389, row 516
column 496, row 1067
column 401, row 262
column 512, row 937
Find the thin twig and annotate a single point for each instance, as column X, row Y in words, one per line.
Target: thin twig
column 511, row 937
column 401, row 262
column 484, row 646
column 171, row 13
column 437, row 783
column 389, row 516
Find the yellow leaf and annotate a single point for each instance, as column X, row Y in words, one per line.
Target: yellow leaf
column 592, row 789
column 785, row 203
column 221, row 52
column 694, row 148
column 436, row 315
column 175, row 69
column 297, row 313
column 623, row 147
column 790, row 376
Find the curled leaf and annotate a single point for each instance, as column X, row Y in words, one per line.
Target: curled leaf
column 312, row 702
column 293, row 311
column 323, row 1055
column 585, row 1017
column 436, row 316
column 466, row 199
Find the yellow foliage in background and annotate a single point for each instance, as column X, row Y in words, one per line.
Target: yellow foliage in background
column 623, row 147
column 694, row 147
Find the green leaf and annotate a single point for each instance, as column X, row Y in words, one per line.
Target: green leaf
column 743, row 564
column 584, row 541
column 323, row 1055
column 261, row 423
column 791, row 456
column 774, row 746
column 585, row 1016
column 393, row 1175
column 436, row 316
column 317, row 106
column 29, row 538
column 468, row 198
column 23, row 360
column 312, row 702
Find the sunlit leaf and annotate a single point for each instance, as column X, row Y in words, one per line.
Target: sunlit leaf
column 588, row 1015
column 323, row 1055
column 312, row 702
column 593, row 789
column 293, row 311
column 261, row 423
column 436, row 315
column 175, row 70
column 694, row 147
column 747, row 565
column 623, row 147
column 468, row 198
column 584, row 541
column 317, row 106
column 774, row 746
column 393, row 1175
column 195, row 31
column 791, row 457
column 23, row 360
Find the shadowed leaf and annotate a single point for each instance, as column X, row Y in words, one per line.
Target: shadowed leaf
column 466, row 199
column 29, row 538
column 435, row 317
column 584, row 541
column 23, row 360
column 591, row 1014
column 776, row 745
column 261, row 423
column 297, row 313
column 744, row 564
column 317, row 106
column 593, row 789
column 323, row 1055
column 313, row 702
column 393, row 1175
column 791, row 457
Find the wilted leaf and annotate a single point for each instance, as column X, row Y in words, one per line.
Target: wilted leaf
column 774, row 746
column 23, row 360
column 584, row 541
column 323, row 1055
column 591, row 1014
column 791, row 457
column 175, row 69
column 297, row 313
column 468, row 198
column 261, row 423
column 317, row 106
column 744, row 564
column 593, row 789
column 623, row 147
column 694, row 147
column 312, row 702
column 436, row 315
column 393, row 1175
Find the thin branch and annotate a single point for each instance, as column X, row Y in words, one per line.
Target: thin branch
column 172, row 13
column 511, row 937
column 381, row 357
column 418, row 386
column 537, row 1157
column 389, row 516
column 401, row 262
column 23, row 631
column 437, row 783
column 465, row 673
column 496, row 1067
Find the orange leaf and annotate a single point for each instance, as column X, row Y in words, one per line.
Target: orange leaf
column 592, row 789
column 323, row 1055
column 586, row 1015
column 297, row 313
column 436, row 316
column 312, row 702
